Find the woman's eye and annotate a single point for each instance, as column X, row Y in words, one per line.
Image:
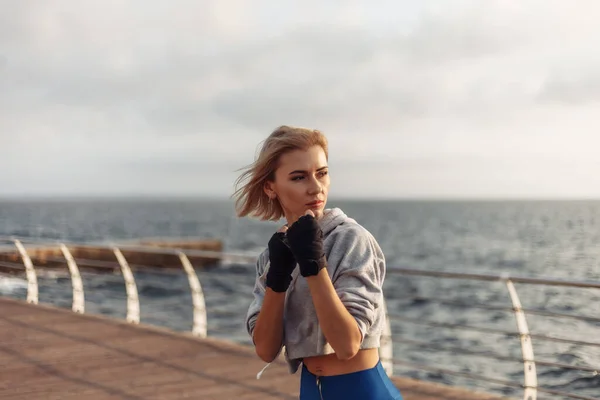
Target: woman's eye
column 320, row 174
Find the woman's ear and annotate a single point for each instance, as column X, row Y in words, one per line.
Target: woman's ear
column 268, row 188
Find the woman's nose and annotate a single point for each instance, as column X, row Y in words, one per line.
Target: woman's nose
column 315, row 187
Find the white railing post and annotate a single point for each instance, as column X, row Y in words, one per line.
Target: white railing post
column 529, row 369
column 76, row 282
column 200, row 324
column 386, row 348
column 32, row 284
column 133, row 301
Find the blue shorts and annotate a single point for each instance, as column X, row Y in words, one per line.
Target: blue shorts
column 370, row 384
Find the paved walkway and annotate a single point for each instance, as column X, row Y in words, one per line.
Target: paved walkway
column 51, row 353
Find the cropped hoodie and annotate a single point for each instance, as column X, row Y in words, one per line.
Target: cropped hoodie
column 356, row 266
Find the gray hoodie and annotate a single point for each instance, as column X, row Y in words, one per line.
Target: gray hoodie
column 356, row 266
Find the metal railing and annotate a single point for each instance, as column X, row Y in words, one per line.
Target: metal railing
column 529, row 386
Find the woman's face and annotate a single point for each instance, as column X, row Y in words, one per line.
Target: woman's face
column 301, row 183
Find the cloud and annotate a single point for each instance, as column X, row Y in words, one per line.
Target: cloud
column 146, row 88
column 572, row 88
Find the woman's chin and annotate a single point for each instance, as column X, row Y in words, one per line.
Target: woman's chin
column 318, row 213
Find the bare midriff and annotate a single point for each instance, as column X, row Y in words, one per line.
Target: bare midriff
column 330, row 365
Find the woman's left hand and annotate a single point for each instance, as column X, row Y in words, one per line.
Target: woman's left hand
column 306, row 242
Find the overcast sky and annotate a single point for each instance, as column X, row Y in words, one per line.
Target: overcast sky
column 448, row 98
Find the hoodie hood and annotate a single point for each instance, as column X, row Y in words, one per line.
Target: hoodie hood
column 332, row 218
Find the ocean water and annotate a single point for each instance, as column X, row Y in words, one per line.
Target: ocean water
column 551, row 239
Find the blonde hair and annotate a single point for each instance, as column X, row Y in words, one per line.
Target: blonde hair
column 251, row 198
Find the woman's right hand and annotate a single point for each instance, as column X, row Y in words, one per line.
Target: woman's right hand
column 282, row 262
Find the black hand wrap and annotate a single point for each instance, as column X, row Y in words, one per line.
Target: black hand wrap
column 279, row 275
column 306, row 241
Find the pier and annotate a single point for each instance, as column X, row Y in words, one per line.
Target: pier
column 50, row 352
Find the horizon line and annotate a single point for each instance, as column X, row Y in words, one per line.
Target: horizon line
column 150, row 197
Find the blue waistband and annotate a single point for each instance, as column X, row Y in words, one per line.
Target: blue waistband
column 368, row 384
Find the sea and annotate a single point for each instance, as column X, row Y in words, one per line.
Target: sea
column 542, row 239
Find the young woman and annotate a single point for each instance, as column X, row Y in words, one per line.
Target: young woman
column 318, row 289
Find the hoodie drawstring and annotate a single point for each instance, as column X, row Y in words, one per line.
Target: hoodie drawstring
column 319, row 387
column 262, row 370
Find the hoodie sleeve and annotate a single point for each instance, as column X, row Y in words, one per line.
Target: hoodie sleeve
column 258, row 293
column 359, row 275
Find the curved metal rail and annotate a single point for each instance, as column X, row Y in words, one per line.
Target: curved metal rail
column 133, row 301
column 526, row 345
column 200, row 323
column 78, row 294
column 32, row 284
